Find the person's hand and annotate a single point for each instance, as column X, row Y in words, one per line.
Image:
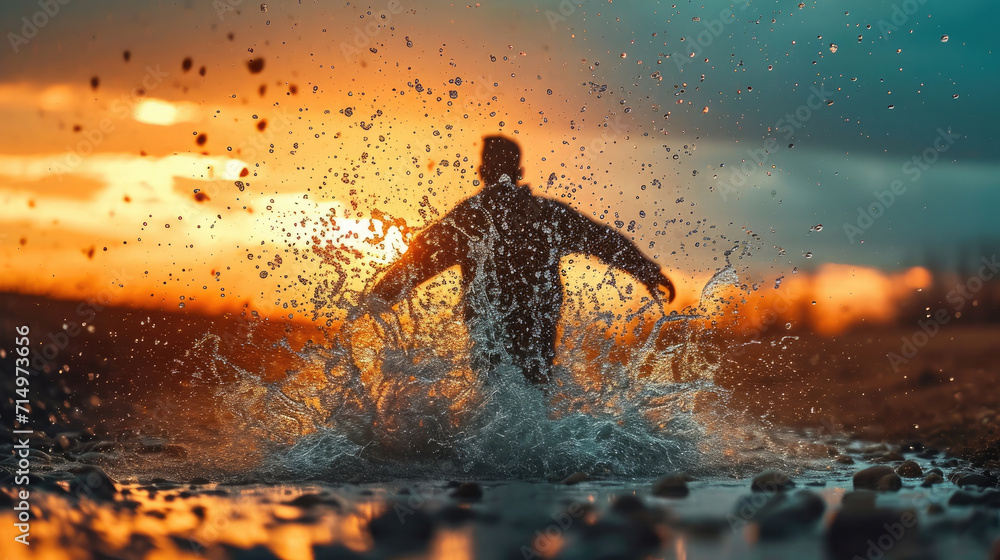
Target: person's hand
column 664, row 288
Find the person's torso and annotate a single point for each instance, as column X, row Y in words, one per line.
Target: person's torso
column 513, row 249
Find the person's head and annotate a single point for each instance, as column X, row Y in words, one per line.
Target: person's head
column 501, row 156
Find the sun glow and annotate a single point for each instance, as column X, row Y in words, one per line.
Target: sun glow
column 165, row 113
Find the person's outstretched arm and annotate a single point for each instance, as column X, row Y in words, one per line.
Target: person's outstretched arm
column 588, row 236
column 432, row 251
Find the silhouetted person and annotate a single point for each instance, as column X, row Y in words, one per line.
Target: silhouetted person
column 508, row 243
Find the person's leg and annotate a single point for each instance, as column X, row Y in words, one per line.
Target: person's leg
column 535, row 342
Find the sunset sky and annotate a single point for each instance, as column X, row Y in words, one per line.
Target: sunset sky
column 131, row 126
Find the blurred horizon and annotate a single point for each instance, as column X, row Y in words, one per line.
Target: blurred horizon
column 214, row 154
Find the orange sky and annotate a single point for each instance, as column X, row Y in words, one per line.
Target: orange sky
column 122, row 173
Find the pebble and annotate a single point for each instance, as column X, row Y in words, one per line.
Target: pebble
column 468, row 491
column 306, row 501
column 575, row 478
column 788, row 514
column 259, row 552
column 454, row 514
column 671, row 486
column 703, row 528
column 879, row 478
column 771, row 481
column 402, row 528
column 890, row 457
column 889, row 483
column 990, row 498
column 336, row 551
column 909, row 469
column 859, row 499
column 867, row 533
column 150, row 444
column 94, row 483
column 976, row 523
column 627, row 505
column 616, row 538
column 974, row 479
column 932, row 479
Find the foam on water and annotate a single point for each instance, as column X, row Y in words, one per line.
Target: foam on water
column 399, row 394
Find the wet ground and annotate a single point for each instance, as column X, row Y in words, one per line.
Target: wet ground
column 107, row 482
column 830, row 511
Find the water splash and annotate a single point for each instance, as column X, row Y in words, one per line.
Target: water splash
column 403, row 393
